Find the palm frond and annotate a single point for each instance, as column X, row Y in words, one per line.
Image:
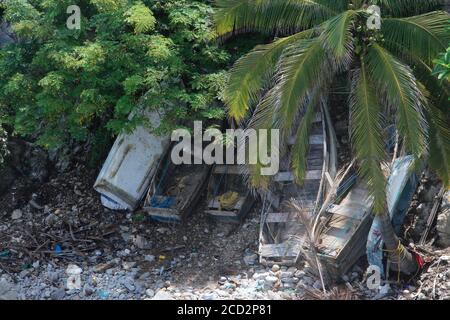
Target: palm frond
column 366, row 133
column 250, row 73
column 424, row 36
column 439, row 156
column 404, row 8
column 337, row 34
column 267, row 16
column 301, row 145
column 301, row 70
column 400, row 91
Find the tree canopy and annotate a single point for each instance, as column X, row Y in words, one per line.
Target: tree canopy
column 59, row 84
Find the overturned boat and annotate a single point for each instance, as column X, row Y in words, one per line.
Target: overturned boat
column 348, row 220
column 350, row 230
column 281, row 233
column 130, row 165
column 229, row 199
column 175, row 190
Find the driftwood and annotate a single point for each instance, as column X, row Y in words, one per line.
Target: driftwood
column 432, row 216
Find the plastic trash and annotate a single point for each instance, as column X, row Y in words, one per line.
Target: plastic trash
column 58, row 249
column 103, row 294
column 74, row 277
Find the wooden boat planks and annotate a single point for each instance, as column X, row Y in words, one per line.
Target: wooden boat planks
column 175, row 191
column 282, row 235
column 343, row 241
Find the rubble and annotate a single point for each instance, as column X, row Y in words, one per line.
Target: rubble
column 89, row 237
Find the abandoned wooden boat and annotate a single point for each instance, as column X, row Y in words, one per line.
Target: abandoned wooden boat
column 348, row 220
column 229, row 199
column 350, row 230
column 175, row 190
column 130, row 165
column 281, row 232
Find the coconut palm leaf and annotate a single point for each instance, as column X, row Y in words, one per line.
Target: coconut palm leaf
column 402, row 8
column 272, row 15
column 301, row 70
column 439, row 157
column 402, row 94
column 424, row 36
column 301, row 145
column 366, row 133
column 251, row 72
column 337, row 35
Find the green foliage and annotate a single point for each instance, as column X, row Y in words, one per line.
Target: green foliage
column 442, row 66
column 141, row 18
column 59, row 84
column 389, row 74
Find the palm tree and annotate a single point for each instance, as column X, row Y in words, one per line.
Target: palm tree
column 388, row 71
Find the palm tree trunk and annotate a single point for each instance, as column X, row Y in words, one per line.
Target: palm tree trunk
column 399, row 257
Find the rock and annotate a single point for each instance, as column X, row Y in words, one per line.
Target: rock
column 258, row 276
column 443, row 222
column 208, row 296
column 16, row 214
column 250, row 259
column 270, row 281
column 129, row 285
column 103, row 266
column 51, row 219
column 87, row 290
column 150, row 293
column 162, row 295
column 149, row 258
column 127, row 265
column 275, row 268
column 317, row 285
column 141, row 242
column 8, row 290
column 58, row 294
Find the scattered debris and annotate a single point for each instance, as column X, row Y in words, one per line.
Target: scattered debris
column 74, row 277
column 16, row 214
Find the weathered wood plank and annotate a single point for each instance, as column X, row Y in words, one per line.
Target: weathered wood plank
column 314, row 139
column 221, row 213
column 280, row 217
column 289, row 176
column 228, row 169
column 354, row 211
column 165, row 214
column 288, row 249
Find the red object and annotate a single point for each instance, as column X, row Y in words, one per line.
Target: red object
column 419, row 260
